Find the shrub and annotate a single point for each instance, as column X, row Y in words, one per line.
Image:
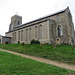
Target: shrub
column 55, row 44
column 73, row 47
column 35, row 41
column 22, row 44
column 32, row 41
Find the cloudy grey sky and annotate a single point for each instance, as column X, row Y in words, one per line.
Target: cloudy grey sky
column 31, row 10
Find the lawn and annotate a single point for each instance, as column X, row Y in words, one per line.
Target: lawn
column 63, row 53
column 11, row 64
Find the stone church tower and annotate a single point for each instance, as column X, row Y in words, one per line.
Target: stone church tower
column 15, row 21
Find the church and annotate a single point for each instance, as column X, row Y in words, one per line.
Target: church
column 57, row 27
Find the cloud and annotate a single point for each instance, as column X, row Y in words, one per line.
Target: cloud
column 30, row 10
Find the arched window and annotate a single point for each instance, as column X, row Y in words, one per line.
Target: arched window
column 15, row 23
column 18, row 22
column 40, row 31
column 59, row 30
column 30, row 31
column 36, row 32
column 26, row 34
column 21, row 34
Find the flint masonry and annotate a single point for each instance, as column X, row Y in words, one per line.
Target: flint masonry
column 57, row 27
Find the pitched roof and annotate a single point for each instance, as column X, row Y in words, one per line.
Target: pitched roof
column 41, row 18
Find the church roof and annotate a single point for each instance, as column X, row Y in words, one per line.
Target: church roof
column 6, row 37
column 41, row 18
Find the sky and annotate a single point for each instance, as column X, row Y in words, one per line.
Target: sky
column 31, row 10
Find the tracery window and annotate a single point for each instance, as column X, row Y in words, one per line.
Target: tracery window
column 59, row 30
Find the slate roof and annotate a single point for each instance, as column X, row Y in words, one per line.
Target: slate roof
column 41, row 18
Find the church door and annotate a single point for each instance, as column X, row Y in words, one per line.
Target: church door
column 58, row 41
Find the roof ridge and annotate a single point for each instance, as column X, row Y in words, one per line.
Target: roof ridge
column 42, row 18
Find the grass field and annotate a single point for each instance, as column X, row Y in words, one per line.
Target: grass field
column 15, row 65
column 63, row 53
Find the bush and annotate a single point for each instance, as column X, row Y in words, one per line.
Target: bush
column 35, row 41
column 73, row 47
column 22, row 44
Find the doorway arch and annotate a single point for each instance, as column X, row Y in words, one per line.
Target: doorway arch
column 58, row 40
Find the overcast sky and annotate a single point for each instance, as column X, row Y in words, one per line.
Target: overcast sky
column 30, row 10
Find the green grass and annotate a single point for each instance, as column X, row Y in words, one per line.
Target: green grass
column 11, row 64
column 63, row 53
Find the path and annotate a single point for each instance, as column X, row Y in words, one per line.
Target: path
column 62, row 65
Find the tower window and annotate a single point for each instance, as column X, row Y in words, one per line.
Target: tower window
column 18, row 22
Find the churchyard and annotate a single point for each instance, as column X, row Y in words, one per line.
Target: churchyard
column 62, row 53
column 11, row 64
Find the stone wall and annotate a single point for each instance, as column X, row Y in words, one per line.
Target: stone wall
column 43, row 39
column 50, row 29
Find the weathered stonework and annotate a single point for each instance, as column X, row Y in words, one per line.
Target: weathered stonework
column 57, row 27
